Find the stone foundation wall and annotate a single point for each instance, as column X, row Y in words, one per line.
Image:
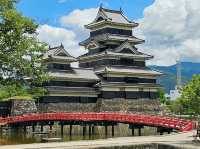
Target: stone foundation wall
column 105, row 105
column 127, row 105
column 66, row 107
column 20, row 107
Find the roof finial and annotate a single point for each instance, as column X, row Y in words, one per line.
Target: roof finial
column 121, row 10
column 101, row 6
column 61, row 45
column 49, row 46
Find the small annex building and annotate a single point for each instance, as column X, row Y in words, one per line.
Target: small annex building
column 67, row 85
column 112, row 75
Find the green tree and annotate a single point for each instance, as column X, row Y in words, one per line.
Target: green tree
column 189, row 102
column 176, row 106
column 20, row 50
column 190, row 98
column 162, row 97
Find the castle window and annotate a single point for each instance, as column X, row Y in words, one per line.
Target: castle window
column 126, row 50
column 125, row 61
column 111, row 31
column 61, row 54
column 61, row 66
column 100, row 19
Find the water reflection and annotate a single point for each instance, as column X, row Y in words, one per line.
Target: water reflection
column 19, row 137
column 144, row 146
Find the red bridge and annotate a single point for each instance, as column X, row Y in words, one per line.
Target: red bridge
column 143, row 120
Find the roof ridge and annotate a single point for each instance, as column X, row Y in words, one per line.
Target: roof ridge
column 111, row 10
column 51, row 48
column 54, row 52
column 120, row 47
column 117, row 11
column 61, row 47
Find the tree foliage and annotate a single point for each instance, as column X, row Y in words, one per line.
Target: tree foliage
column 176, row 106
column 189, row 102
column 162, row 97
column 190, row 97
column 20, row 50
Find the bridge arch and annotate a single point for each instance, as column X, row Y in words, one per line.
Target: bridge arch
column 145, row 120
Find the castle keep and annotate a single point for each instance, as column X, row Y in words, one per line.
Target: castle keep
column 112, row 75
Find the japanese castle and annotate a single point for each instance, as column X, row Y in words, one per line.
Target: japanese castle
column 112, row 75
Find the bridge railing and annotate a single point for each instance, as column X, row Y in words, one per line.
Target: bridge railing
column 157, row 121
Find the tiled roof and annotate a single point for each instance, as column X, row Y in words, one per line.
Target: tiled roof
column 55, row 51
column 132, row 85
column 109, row 53
column 138, row 55
column 130, row 52
column 107, row 36
column 76, row 73
column 70, row 89
column 114, row 16
column 128, row 70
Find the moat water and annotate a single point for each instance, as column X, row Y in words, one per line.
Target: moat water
column 144, row 146
column 9, row 136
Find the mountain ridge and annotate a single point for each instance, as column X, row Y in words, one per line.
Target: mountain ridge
column 168, row 80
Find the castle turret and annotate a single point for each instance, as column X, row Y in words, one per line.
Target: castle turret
column 68, row 87
column 57, row 58
column 113, row 75
column 113, row 55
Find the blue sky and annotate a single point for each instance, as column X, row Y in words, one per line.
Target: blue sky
column 169, row 27
column 49, row 11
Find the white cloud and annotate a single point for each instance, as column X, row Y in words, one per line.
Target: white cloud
column 71, row 33
column 79, row 18
column 54, row 36
column 171, row 29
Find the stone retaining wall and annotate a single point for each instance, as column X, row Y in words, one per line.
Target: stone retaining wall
column 20, row 107
column 105, row 105
column 66, row 107
column 127, row 105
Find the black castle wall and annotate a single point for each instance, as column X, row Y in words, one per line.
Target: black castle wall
column 128, row 95
column 113, row 31
column 121, row 62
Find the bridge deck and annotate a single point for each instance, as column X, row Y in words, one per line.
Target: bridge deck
column 146, row 120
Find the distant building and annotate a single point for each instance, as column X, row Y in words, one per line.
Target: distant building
column 112, row 73
column 174, row 94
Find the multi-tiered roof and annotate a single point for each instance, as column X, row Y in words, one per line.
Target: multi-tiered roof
column 66, row 83
column 58, row 55
column 115, row 58
column 111, row 36
column 107, row 27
